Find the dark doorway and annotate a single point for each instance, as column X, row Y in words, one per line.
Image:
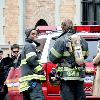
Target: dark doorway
column 41, row 22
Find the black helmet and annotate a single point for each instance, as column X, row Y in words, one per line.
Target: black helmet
column 27, row 32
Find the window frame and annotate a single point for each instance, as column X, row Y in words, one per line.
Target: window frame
column 89, row 6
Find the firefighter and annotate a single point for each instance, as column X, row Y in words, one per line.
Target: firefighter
column 32, row 73
column 71, row 74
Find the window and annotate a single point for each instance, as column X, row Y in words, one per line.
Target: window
column 92, row 46
column 90, row 12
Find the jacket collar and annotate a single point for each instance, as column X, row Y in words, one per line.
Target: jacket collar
column 33, row 42
column 29, row 40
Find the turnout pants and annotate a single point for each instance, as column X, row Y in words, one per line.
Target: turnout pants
column 35, row 94
column 72, row 90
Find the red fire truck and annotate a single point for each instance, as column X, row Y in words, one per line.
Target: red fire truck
column 90, row 33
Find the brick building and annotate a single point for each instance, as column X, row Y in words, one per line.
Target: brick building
column 16, row 15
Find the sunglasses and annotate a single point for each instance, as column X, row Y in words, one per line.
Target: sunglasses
column 15, row 51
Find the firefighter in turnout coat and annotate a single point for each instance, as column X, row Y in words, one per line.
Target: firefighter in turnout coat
column 32, row 73
column 71, row 74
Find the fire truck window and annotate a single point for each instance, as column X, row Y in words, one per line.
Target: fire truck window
column 92, row 49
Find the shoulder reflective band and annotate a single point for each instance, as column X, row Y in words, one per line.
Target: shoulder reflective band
column 55, row 53
column 30, row 55
column 66, row 53
column 23, row 62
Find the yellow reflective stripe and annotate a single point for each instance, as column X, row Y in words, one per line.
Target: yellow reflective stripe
column 30, row 77
column 66, row 53
column 73, row 78
column 69, row 69
column 30, row 55
column 59, row 69
column 55, row 53
column 23, row 62
column 23, row 89
column 85, row 53
column 23, row 86
column 82, row 79
column 38, row 68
